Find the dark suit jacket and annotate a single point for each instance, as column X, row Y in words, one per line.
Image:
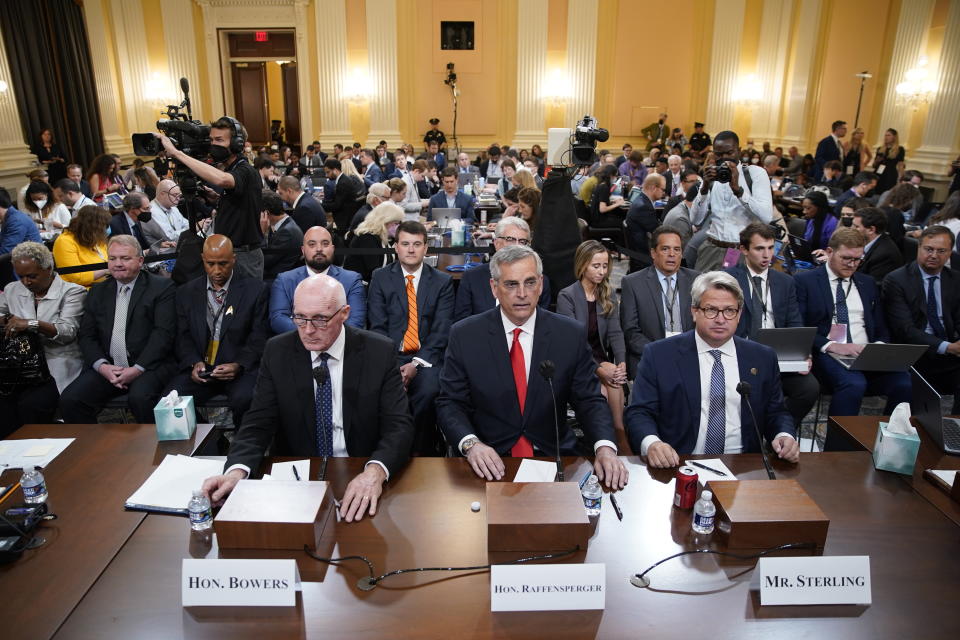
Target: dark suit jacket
column 243, row 330
column 287, row 240
column 816, row 297
column 387, row 309
column 666, row 395
column 905, row 304
column 883, row 257
column 572, row 302
column 641, row 220
column 478, row 395
column 347, row 198
column 151, row 322
column 641, row 310
column 842, row 199
column 376, row 421
column 484, row 167
column 120, row 227
column 462, row 202
column 309, row 213
column 826, row 151
column 372, row 175
column 783, row 298
column 475, row 296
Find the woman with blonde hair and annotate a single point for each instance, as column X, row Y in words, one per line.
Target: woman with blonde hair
column 856, row 153
column 347, row 167
column 592, row 301
column 84, row 242
column 888, row 163
column 523, row 179
column 375, row 232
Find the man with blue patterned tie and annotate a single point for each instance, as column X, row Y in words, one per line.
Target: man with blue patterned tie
column 326, row 390
column 674, row 411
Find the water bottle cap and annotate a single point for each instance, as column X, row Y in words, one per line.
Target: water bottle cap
column 29, row 469
column 706, row 495
column 197, row 493
column 594, row 480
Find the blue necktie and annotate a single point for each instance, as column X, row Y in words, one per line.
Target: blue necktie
column 716, row 418
column 843, row 315
column 324, row 408
column 933, row 317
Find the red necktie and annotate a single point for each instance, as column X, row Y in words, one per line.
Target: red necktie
column 522, row 448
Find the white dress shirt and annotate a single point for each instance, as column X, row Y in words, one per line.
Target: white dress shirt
column 730, row 213
column 858, row 327
column 665, row 302
column 170, row 220
column 767, row 321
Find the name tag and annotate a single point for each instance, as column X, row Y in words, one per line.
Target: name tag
column 881, row 169
column 838, row 332
column 557, row 587
column 815, row 580
column 239, row 583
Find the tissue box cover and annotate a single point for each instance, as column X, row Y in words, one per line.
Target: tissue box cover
column 894, row 451
column 177, row 422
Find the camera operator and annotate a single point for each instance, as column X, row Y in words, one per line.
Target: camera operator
column 238, row 210
column 733, row 195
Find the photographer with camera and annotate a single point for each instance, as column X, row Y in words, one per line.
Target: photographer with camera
column 238, row 209
column 733, row 195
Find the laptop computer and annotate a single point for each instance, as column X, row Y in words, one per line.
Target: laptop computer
column 925, row 406
column 463, row 179
column 878, row 356
column 443, row 216
column 792, row 344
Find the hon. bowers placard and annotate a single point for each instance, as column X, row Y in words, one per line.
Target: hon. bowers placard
column 547, row 587
column 250, row 583
column 815, row 580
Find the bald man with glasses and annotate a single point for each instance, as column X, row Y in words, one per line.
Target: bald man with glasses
column 168, row 218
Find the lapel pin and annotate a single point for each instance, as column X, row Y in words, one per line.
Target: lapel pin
column 230, row 313
column 753, row 371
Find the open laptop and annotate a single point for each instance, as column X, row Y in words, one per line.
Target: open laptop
column 443, row 216
column 925, row 406
column 878, row 356
column 792, row 344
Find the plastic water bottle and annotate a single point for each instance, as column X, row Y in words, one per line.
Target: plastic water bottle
column 34, row 486
column 703, row 513
column 201, row 517
column 592, row 496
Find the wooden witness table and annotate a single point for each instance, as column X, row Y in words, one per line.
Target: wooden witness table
column 425, row 520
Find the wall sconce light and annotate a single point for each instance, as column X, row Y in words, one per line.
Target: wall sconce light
column 557, row 88
column 157, row 89
column 357, row 86
column 748, row 92
column 4, row 86
column 917, row 88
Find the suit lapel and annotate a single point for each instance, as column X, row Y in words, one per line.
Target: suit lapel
column 541, row 339
column 302, row 364
column 686, row 282
column 688, row 368
column 656, row 294
column 747, row 374
column 139, row 289
column 352, row 361
column 824, row 284
column 500, row 356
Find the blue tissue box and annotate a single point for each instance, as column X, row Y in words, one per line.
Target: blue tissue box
column 177, row 422
column 894, row 451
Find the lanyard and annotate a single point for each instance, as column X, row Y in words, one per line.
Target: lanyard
column 759, row 295
column 217, row 315
column 670, row 302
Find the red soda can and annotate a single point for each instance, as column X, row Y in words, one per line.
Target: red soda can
column 686, row 492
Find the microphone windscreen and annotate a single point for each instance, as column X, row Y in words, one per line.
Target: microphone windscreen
column 743, row 388
column 321, row 375
column 184, row 85
column 547, row 368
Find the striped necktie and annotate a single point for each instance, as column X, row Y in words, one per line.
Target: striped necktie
column 411, row 337
column 716, row 416
column 118, row 339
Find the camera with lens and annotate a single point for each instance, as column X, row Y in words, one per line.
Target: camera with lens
column 188, row 135
column 586, row 135
column 723, row 172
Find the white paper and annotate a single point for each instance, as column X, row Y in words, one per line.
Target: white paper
column 815, row 580
column 946, row 475
column 244, row 583
column 548, row 587
column 536, row 471
column 708, row 476
column 284, row 470
column 171, row 485
column 38, row 452
column 793, row 366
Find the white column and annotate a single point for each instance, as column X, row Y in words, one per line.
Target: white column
column 800, row 80
column 908, row 45
column 581, row 56
column 724, row 64
column 940, row 131
column 531, row 68
column 130, row 36
column 382, row 56
column 332, row 59
column 305, row 71
column 772, row 55
column 15, row 156
column 106, row 89
column 178, row 35
column 214, row 71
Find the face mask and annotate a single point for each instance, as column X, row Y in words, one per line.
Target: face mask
column 744, row 158
column 40, row 204
column 109, row 231
column 754, row 160
column 218, row 153
column 145, row 216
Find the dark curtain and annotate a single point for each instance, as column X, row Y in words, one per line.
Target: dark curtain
column 52, row 74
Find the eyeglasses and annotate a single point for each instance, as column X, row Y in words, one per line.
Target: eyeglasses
column 173, row 196
column 851, row 261
column 931, row 251
column 512, row 240
column 712, row 312
column 318, row 322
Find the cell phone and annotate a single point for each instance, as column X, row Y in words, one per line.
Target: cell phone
column 206, row 373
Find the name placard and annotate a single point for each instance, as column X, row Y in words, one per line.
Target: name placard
column 548, row 587
column 815, row 580
column 239, row 583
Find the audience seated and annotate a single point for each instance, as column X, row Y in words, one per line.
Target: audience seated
column 42, row 206
column 451, row 197
column 305, row 210
column 881, row 254
column 821, row 223
column 129, row 222
column 345, row 196
column 378, row 193
column 83, row 242
column 69, row 193
column 282, row 237
column 376, row 232
column 863, row 183
column 15, row 226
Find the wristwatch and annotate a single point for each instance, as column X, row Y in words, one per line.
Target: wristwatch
column 33, row 325
column 468, row 444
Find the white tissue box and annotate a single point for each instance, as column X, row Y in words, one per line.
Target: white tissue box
column 895, row 452
column 177, row 421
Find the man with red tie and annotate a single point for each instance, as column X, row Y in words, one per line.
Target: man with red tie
column 494, row 400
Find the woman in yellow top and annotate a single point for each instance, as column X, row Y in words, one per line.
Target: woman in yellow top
column 84, row 242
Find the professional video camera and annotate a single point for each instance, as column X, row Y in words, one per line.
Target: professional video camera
column 188, row 135
column 575, row 147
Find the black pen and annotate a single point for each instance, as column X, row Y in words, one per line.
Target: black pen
column 705, row 467
column 616, row 507
column 296, row 474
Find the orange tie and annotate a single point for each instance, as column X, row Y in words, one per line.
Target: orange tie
column 411, row 337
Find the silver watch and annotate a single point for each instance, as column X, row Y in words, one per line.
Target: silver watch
column 33, row 325
column 468, row 444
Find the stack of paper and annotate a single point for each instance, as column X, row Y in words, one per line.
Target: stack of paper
column 39, row 452
column 171, row 485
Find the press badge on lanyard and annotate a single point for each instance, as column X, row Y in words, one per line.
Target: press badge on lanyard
column 838, row 332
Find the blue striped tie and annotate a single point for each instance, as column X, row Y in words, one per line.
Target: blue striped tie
column 324, row 409
column 716, row 418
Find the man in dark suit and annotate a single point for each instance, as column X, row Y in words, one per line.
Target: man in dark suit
column 881, row 254
column 474, row 295
column 305, row 210
column 863, row 183
column 922, row 304
column 830, row 148
column 371, row 171
column 770, row 301
column 326, row 390
column 311, row 161
column 136, row 211
column 642, row 219
column 685, row 398
column 490, row 168
column 492, row 399
column 464, row 165
column 221, row 330
column 655, row 303
column 281, row 235
column 434, row 153
column 845, row 308
column 451, row 198
column 126, row 336
column 346, row 196
column 412, row 304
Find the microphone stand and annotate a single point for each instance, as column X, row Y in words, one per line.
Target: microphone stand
column 546, row 370
column 743, row 389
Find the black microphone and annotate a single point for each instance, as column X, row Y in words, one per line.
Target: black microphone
column 321, row 375
column 546, row 370
column 743, row 388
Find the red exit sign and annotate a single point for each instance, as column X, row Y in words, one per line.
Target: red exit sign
column 261, row 36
